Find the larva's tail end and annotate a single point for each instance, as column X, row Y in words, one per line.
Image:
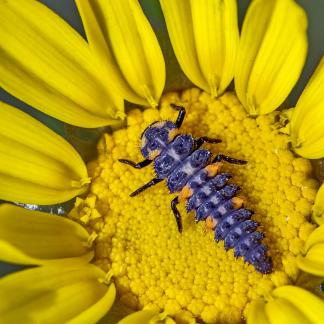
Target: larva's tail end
column 264, row 266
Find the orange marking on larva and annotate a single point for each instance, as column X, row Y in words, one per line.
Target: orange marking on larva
column 172, row 134
column 237, row 202
column 185, row 193
column 210, row 224
column 154, row 154
column 213, row 169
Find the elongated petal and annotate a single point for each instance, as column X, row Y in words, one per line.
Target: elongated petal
column 36, row 165
column 272, row 52
column 98, row 310
column 55, row 294
column 257, row 312
column 204, row 35
column 317, row 236
column 318, row 208
column 45, row 63
column 313, row 259
column 309, row 265
column 136, row 48
column 94, row 18
column 33, row 237
column 280, row 311
column 216, row 37
column 307, row 123
column 311, row 306
column 122, row 32
column 177, row 15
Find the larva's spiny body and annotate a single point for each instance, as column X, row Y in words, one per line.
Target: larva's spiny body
column 191, row 172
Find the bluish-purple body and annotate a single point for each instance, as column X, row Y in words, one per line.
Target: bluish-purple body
column 211, row 196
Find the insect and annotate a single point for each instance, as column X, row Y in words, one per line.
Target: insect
column 192, row 173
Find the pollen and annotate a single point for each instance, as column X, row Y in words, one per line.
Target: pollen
column 189, row 275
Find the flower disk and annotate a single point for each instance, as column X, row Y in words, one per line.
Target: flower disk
column 189, row 274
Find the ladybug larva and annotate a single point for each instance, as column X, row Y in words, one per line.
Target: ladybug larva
column 196, row 177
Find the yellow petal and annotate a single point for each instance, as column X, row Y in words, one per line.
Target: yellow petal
column 132, row 43
column 55, row 294
column 45, row 63
column 94, row 18
column 257, row 313
column 311, row 306
column 313, row 262
column 141, row 317
column 216, row 37
column 98, row 310
column 177, row 15
column 33, row 237
column 204, row 35
column 317, row 236
column 36, row 165
column 318, row 208
column 272, row 53
column 307, row 123
column 315, row 267
column 280, row 311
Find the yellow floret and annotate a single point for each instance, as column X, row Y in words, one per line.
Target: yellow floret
column 189, row 275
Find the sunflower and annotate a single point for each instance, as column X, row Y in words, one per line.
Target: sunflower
column 114, row 255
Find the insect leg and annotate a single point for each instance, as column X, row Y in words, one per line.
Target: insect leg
column 181, row 116
column 146, row 186
column 228, row 159
column 204, row 139
column 135, row 165
column 174, row 203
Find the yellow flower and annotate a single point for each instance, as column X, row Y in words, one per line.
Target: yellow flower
column 113, row 246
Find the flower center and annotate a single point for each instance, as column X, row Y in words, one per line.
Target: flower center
column 189, row 274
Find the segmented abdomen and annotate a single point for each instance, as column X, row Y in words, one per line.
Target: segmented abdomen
column 217, row 201
column 208, row 193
